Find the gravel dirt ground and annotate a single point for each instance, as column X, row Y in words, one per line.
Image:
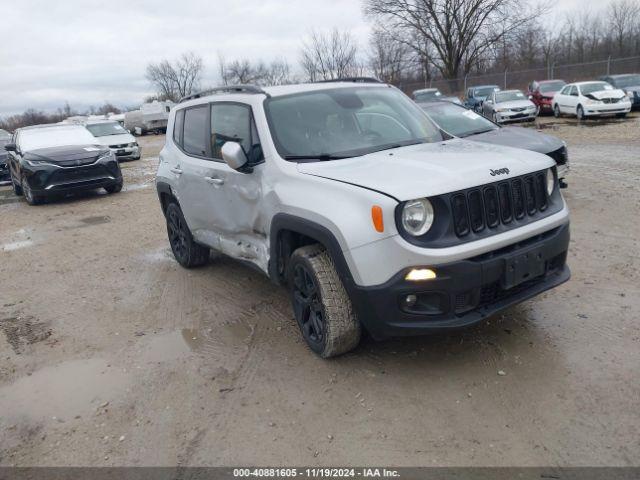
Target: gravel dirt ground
column 111, row 354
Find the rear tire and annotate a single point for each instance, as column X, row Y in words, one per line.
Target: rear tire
column 186, row 251
column 28, row 194
column 321, row 304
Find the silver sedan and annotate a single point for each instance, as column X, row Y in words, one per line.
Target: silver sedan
column 509, row 106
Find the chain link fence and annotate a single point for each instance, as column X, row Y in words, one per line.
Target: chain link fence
column 521, row 78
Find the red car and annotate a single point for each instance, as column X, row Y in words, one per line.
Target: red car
column 541, row 93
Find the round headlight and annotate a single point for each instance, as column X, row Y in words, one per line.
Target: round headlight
column 417, row 216
column 551, row 182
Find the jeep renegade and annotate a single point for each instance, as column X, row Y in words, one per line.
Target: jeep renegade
column 372, row 216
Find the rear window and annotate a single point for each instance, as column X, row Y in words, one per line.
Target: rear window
column 195, row 128
column 177, row 127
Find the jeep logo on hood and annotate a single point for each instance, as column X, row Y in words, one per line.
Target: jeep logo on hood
column 500, row 171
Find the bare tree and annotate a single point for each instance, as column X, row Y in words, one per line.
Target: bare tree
column 329, row 56
column 623, row 20
column 176, row 80
column 453, row 34
column 243, row 71
column 389, row 59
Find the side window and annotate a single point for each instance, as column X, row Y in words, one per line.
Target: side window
column 234, row 123
column 194, row 136
column 574, row 91
column 178, row 123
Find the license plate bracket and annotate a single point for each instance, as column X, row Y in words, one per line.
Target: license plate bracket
column 523, row 266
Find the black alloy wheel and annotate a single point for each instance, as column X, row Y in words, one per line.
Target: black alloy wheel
column 308, row 308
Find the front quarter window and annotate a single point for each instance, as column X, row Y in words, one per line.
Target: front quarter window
column 346, row 122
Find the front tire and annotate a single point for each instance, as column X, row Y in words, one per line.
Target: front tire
column 580, row 113
column 17, row 189
column 321, row 304
column 115, row 188
column 556, row 111
column 29, row 195
column 186, row 251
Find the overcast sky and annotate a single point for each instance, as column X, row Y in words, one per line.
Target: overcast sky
column 87, row 52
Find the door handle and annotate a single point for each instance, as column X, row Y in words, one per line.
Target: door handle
column 214, row 180
column 176, row 170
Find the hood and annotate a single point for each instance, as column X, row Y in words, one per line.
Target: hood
column 430, row 168
column 119, row 139
column 519, row 137
column 515, row 104
column 70, row 155
column 599, row 95
column 633, row 88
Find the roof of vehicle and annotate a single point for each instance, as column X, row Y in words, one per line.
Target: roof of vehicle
column 550, row 81
column 621, row 75
column 426, row 90
column 485, row 86
column 587, row 82
column 45, row 126
column 94, row 122
column 282, row 90
column 435, row 103
column 515, row 90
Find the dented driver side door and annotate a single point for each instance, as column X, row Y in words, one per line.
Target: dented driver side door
column 236, row 225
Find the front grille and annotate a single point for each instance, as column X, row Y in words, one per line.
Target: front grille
column 611, row 100
column 77, row 162
column 122, row 145
column 492, row 205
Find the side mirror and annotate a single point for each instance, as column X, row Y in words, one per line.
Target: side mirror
column 11, row 147
column 234, row 155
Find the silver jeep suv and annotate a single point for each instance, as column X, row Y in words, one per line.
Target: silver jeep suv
column 372, row 217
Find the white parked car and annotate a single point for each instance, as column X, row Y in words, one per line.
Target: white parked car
column 113, row 135
column 590, row 99
column 372, row 216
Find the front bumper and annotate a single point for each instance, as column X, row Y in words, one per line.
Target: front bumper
column 4, row 173
column 504, row 117
column 607, row 108
column 48, row 179
column 467, row 291
column 127, row 153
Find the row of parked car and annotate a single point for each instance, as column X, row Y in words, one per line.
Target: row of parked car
column 609, row 95
column 46, row 160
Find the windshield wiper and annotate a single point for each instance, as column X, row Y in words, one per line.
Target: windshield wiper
column 323, row 157
column 395, row 145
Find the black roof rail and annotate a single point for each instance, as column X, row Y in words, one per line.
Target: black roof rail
column 352, row 79
column 225, row 89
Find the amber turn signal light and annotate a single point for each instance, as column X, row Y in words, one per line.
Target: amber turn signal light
column 376, row 216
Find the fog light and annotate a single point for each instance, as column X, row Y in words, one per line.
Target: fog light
column 410, row 301
column 418, row 274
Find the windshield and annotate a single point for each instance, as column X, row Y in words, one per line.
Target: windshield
column 426, row 96
column 107, row 128
column 594, row 87
column 33, row 139
column 484, row 91
column 627, row 81
column 551, row 87
column 346, row 122
column 509, row 96
column 458, row 120
column 4, row 135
